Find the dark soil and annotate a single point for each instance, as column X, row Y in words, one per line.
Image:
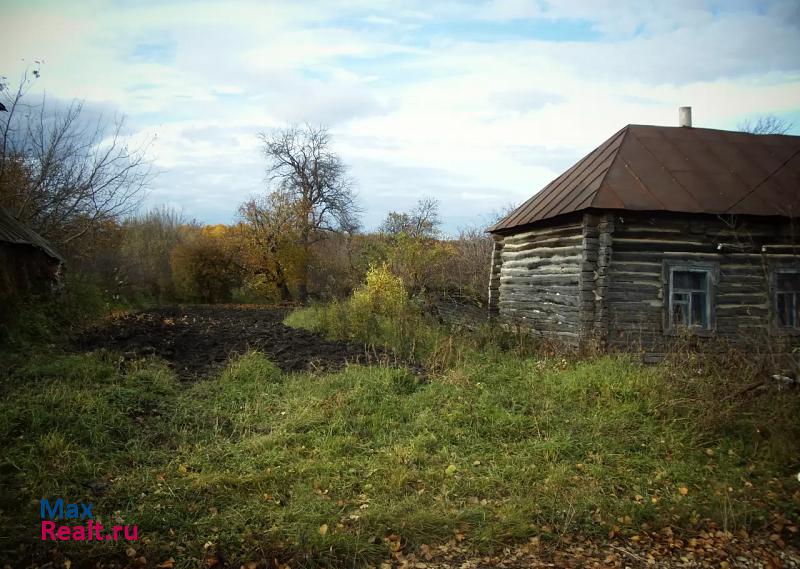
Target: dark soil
column 198, row 340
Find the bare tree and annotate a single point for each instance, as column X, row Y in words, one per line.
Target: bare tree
column 314, row 180
column 421, row 222
column 62, row 173
column 148, row 239
column 469, row 266
column 766, row 124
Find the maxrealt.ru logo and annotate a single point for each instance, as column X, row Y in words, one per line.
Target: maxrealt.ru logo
column 86, row 530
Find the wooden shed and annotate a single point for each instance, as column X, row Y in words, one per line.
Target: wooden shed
column 659, row 231
column 28, row 263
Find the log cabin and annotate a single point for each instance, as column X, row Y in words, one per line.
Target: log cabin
column 28, row 263
column 659, row 232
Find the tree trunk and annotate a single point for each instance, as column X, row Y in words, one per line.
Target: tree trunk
column 302, row 289
column 286, row 294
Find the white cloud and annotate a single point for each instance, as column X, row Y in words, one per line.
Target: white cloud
column 419, row 102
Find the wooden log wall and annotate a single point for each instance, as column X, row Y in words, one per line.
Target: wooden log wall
column 25, row 269
column 598, row 231
column 600, row 276
column 636, row 290
column 537, row 275
column 494, row 276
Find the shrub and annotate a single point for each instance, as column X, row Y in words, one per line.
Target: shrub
column 383, row 294
column 147, row 242
column 379, row 312
column 203, row 266
column 51, row 318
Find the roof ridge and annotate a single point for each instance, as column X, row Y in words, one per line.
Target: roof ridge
column 551, row 189
column 626, row 130
column 617, row 138
column 595, row 156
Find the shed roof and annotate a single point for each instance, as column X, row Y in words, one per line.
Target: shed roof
column 676, row 169
column 13, row 231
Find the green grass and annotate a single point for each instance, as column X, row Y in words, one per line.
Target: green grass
column 499, row 447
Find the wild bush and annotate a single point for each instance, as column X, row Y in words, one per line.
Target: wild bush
column 204, row 267
column 732, row 392
column 148, row 240
column 53, row 318
column 380, row 312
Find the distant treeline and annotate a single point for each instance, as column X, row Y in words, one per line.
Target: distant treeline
column 80, row 183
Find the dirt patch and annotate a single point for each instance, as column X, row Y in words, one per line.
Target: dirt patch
column 198, row 340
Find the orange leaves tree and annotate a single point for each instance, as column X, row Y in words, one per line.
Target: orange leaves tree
column 311, row 183
column 412, row 246
column 269, row 245
column 204, row 266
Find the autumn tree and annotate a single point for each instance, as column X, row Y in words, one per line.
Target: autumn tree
column 312, row 181
column 414, row 251
column 270, row 250
column 63, row 172
column 422, row 221
column 204, row 266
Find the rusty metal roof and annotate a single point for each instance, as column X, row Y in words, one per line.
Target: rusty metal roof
column 12, row 231
column 676, row 169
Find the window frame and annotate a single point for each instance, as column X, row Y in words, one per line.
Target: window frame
column 712, row 276
column 776, row 269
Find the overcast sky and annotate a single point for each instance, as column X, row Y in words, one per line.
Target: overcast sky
column 478, row 104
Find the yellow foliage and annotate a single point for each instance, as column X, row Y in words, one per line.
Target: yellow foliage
column 381, row 298
column 383, row 293
column 203, row 266
column 219, row 231
column 420, row 261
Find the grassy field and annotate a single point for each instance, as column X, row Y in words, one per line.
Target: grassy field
column 495, row 445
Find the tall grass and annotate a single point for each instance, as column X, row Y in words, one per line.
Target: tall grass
column 252, row 464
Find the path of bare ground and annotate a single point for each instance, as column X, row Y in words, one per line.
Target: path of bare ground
column 198, row 340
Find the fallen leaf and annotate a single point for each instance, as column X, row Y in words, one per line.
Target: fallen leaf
column 168, row 564
column 683, row 490
column 323, row 529
column 394, row 543
column 425, row 549
column 451, row 470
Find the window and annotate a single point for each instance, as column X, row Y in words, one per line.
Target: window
column 787, row 298
column 690, row 296
column 690, row 306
